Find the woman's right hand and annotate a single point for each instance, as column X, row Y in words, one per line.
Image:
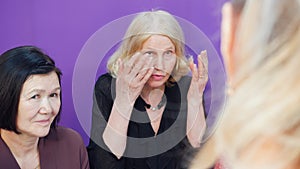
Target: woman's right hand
column 131, row 78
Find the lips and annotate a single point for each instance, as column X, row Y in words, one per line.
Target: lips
column 44, row 122
column 157, row 77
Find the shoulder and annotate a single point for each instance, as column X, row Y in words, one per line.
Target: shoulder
column 184, row 83
column 185, row 80
column 104, row 82
column 104, row 79
column 105, row 86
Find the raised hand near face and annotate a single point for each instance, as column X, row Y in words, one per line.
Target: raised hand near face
column 132, row 76
column 199, row 78
column 196, row 124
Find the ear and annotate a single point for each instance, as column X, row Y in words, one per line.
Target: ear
column 228, row 28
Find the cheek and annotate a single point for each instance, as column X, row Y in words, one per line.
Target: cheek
column 26, row 113
column 169, row 65
column 56, row 106
column 28, row 109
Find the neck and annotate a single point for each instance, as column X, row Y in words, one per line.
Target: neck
column 152, row 96
column 20, row 144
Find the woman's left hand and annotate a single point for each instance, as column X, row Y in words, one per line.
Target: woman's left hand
column 196, row 124
column 199, row 78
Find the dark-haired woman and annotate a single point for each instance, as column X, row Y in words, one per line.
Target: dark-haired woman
column 30, row 104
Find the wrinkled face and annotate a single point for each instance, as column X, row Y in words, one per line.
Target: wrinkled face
column 39, row 104
column 162, row 51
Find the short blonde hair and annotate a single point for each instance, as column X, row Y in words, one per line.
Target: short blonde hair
column 141, row 28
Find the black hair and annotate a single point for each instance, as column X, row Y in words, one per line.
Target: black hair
column 16, row 65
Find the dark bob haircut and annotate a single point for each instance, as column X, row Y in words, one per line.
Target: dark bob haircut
column 16, row 65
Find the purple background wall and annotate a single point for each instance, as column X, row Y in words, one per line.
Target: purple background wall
column 61, row 28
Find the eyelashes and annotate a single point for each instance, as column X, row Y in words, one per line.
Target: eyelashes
column 38, row 96
column 166, row 54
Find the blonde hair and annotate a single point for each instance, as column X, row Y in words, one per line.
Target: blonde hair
column 264, row 107
column 141, row 28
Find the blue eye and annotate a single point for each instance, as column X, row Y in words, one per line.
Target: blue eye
column 168, row 53
column 150, row 53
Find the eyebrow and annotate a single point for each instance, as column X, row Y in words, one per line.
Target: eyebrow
column 41, row 90
column 151, row 48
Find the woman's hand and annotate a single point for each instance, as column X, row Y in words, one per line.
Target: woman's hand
column 131, row 78
column 199, row 78
column 195, row 118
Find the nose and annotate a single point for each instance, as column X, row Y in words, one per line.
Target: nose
column 46, row 106
column 159, row 62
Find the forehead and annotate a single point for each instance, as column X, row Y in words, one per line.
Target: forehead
column 158, row 42
column 45, row 82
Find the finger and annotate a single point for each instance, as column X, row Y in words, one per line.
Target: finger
column 146, row 76
column 144, row 70
column 147, row 64
column 204, row 60
column 202, row 64
column 140, row 64
column 191, row 63
column 193, row 68
column 140, row 70
column 142, row 77
column 129, row 63
column 126, row 67
column 133, row 58
column 119, row 66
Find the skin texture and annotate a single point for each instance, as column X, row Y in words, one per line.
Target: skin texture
column 39, row 104
column 162, row 51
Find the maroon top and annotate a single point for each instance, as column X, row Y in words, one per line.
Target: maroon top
column 62, row 148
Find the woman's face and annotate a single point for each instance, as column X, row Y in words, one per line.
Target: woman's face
column 39, row 104
column 162, row 51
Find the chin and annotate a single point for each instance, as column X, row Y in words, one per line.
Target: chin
column 155, row 84
column 42, row 132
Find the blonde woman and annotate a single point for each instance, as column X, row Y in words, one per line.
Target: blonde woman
column 261, row 126
column 147, row 112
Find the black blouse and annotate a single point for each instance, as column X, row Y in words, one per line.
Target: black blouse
column 169, row 149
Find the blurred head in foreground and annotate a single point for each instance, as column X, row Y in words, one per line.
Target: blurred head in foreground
column 260, row 127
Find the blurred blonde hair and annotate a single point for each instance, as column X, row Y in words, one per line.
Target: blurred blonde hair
column 141, row 28
column 263, row 112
